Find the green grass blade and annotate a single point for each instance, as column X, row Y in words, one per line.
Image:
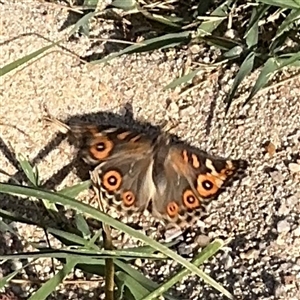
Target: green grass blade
column 74, row 190
column 208, row 252
column 12, row 217
column 64, row 200
column 251, row 34
column 166, row 20
column 283, row 3
column 137, row 290
column 143, row 280
column 167, row 40
column 70, row 238
column 207, row 27
column 90, row 3
column 220, row 42
column 6, row 228
column 25, row 59
column 245, row 69
column 83, row 24
column 30, row 172
column 287, row 23
column 6, row 279
column 182, row 79
column 83, row 254
column 50, row 286
column 82, row 226
column 269, row 69
column 124, row 4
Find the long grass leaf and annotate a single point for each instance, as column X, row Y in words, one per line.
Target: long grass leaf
column 287, row 23
column 207, row 27
column 182, row 79
column 167, row 40
column 269, row 69
column 283, row 3
column 207, row 252
column 98, row 215
column 245, row 69
column 137, row 290
column 74, row 190
column 251, row 33
column 25, row 59
column 50, row 286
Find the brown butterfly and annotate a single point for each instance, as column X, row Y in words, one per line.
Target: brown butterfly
column 137, row 171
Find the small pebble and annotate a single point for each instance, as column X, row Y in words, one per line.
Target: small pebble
column 294, row 168
column 283, row 226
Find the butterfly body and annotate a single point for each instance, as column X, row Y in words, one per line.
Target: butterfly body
column 135, row 172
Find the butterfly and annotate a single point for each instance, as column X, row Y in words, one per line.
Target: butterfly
column 135, row 171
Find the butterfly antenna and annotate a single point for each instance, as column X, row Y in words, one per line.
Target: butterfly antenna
column 62, row 127
column 168, row 126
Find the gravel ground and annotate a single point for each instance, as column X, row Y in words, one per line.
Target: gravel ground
column 261, row 216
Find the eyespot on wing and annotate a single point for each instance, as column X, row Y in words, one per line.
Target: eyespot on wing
column 172, row 209
column 111, row 180
column 128, row 198
column 189, row 199
column 208, row 185
column 101, row 147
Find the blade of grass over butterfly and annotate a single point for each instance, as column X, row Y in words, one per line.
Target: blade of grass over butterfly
column 283, row 3
column 207, row 252
column 271, row 66
column 68, row 238
column 96, row 214
column 167, row 40
column 245, row 69
column 52, row 284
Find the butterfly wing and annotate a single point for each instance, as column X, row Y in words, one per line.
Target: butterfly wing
column 124, row 162
column 187, row 182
